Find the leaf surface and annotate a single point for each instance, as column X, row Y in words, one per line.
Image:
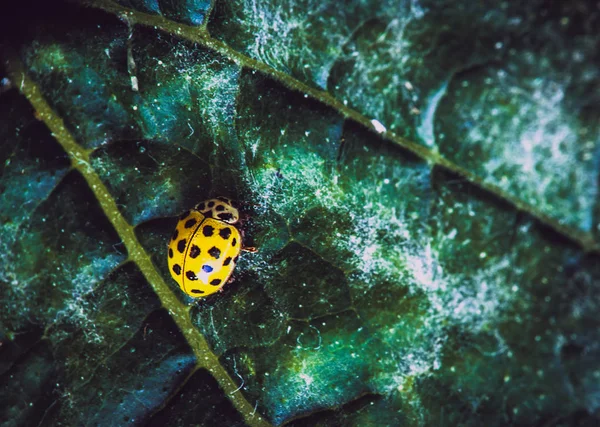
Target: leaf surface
column 436, row 266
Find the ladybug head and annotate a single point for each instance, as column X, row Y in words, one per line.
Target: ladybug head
column 220, row 208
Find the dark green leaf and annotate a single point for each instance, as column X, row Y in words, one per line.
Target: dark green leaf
column 419, row 178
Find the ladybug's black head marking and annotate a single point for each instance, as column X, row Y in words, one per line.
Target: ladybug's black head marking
column 226, row 216
column 220, row 208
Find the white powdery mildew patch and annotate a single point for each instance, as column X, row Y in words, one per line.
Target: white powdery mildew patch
column 300, row 182
column 360, row 88
column 78, row 309
column 284, row 34
column 385, row 250
column 475, row 302
column 85, row 278
column 155, row 201
column 34, row 186
column 374, row 257
column 377, row 85
column 540, row 154
column 207, row 87
column 16, row 289
column 291, row 36
column 219, row 84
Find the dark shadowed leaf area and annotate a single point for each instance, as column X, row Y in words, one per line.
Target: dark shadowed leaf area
column 420, row 179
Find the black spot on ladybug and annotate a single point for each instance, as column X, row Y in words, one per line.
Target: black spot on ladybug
column 177, row 269
column 225, row 216
column 220, row 208
column 175, row 234
column 201, row 206
column 235, row 259
column 234, row 242
column 181, row 245
column 214, row 252
column 225, row 233
column 184, row 215
column 208, row 230
column 208, row 213
column 224, row 199
column 227, row 261
column 194, row 251
column 170, row 253
column 207, row 268
column 211, row 204
column 190, row 223
column 190, row 275
column 215, row 282
column 196, row 291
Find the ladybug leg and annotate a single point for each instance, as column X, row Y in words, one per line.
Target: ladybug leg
column 252, row 249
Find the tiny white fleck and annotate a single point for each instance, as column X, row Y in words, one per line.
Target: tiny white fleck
column 379, row 128
column 134, row 84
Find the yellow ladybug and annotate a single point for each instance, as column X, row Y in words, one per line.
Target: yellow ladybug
column 205, row 246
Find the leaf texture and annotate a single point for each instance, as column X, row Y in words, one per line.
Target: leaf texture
column 420, row 179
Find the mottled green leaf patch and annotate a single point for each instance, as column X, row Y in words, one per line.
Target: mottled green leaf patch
column 244, row 315
column 276, row 128
column 151, row 180
column 82, row 72
column 386, row 197
column 552, row 325
column 306, row 286
column 27, row 389
column 525, row 134
column 91, row 329
column 510, row 314
column 191, row 12
column 322, row 230
column 302, row 38
column 133, row 381
column 87, row 334
column 200, row 402
column 387, row 288
column 15, row 345
column 31, row 163
column 507, row 91
column 65, row 249
column 187, row 93
column 369, row 410
column 314, row 366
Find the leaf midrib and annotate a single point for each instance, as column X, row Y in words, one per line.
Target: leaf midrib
column 80, row 160
column 201, row 36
